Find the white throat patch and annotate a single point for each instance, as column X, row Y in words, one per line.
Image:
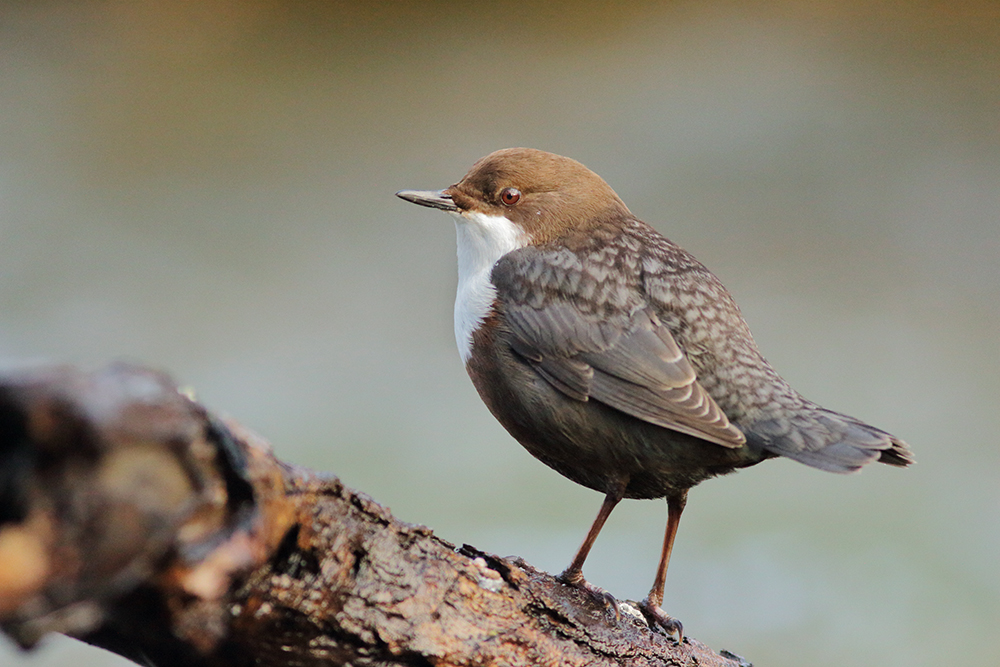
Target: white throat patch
column 482, row 240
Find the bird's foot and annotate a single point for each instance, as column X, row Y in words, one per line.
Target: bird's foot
column 600, row 596
column 658, row 618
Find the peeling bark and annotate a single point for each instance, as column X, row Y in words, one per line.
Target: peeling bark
column 133, row 519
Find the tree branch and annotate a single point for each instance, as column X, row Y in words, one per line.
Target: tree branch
column 133, row 519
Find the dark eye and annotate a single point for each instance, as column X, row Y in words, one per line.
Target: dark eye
column 510, row 196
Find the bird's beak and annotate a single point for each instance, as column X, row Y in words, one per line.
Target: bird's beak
column 430, row 198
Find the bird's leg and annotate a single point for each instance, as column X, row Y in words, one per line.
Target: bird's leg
column 573, row 575
column 651, row 605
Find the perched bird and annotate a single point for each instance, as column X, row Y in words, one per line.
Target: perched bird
column 613, row 355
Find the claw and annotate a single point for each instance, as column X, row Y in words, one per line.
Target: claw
column 658, row 618
column 596, row 593
column 610, row 601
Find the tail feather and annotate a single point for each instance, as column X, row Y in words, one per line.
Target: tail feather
column 828, row 440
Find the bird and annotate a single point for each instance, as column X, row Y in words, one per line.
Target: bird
column 614, row 356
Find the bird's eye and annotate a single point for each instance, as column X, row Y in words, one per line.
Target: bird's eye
column 510, row 196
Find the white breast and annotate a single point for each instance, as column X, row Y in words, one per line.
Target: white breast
column 482, row 240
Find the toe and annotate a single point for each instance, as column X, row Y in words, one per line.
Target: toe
column 610, row 602
column 596, row 593
column 658, row 618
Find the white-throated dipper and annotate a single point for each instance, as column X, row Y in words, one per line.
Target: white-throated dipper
column 613, row 355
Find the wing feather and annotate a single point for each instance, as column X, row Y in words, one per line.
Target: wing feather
column 617, row 352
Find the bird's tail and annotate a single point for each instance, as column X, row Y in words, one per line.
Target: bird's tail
column 828, row 440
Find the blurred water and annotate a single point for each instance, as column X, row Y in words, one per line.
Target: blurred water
column 208, row 188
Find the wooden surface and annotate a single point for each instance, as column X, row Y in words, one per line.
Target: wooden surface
column 134, row 520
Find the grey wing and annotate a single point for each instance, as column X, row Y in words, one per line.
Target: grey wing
column 616, row 352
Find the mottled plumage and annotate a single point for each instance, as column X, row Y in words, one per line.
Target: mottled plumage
column 612, row 354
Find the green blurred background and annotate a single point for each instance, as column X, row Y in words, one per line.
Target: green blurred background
column 207, row 187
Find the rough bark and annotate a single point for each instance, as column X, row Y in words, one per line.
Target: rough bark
column 133, row 519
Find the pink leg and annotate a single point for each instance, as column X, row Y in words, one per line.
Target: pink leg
column 651, row 605
column 573, row 575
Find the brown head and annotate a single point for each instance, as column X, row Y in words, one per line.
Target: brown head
column 545, row 195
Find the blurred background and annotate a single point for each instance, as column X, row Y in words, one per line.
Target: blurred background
column 207, row 187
